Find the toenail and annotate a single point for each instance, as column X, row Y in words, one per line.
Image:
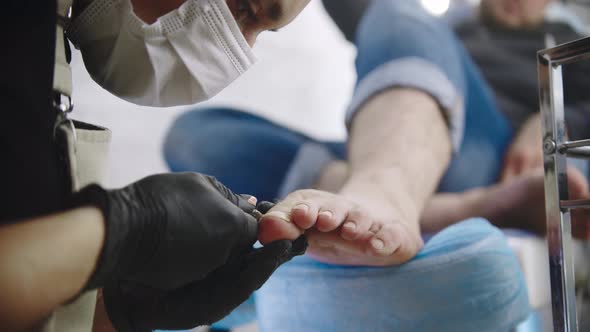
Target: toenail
column 377, row 244
column 350, row 226
column 302, row 207
column 277, row 214
column 328, row 214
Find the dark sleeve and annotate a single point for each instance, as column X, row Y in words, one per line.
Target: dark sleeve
column 577, row 99
column 575, row 81
column 577, row 119
column 31, row 179
column 575, row 75
column 346, row 14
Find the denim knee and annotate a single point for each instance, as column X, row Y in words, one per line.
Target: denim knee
column 185, row 146
column 245, row 152
column 392, row 29
column 400, row 45
column 465, row 279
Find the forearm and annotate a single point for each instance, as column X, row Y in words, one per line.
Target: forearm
column 525, row 152
column 399, row 148
column 45, row 263
column 446, row 209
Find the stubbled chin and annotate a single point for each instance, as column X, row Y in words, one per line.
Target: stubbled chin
column 251, row 35
column 251, row 39
column 510, row 22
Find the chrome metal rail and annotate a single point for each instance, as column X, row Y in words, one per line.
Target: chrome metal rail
column 556, row 149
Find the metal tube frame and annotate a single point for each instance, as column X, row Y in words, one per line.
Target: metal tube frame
column 555, row 149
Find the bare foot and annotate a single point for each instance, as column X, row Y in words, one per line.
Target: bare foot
column 339, row 230
column 519, row 203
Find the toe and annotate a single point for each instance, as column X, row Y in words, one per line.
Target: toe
column 332, row 214
column 304, row 214
column 276, row 226
column 329, row 219
column 385, row 242
column 356, row 224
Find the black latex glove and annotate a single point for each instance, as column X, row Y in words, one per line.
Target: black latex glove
column 134, row 308
column 264, row 206
column 168, row 230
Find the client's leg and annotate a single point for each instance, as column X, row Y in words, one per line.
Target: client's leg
column 465, row 279
column 383, row 231
column 407, row 67
column 405, row 92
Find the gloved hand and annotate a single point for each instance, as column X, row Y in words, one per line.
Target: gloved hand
column 133, row 308
column 168, row 230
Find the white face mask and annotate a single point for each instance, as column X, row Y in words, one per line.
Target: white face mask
column 187, row 56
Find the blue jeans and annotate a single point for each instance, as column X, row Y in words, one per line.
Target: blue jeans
column 464, row 279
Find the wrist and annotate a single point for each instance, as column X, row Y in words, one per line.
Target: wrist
column 131, row 228
column 135, row 225
column 96, row 196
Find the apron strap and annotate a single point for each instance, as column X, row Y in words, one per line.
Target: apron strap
column 84, row 161
column 62, row 77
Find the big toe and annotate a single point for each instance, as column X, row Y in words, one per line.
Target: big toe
column 274, row 227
